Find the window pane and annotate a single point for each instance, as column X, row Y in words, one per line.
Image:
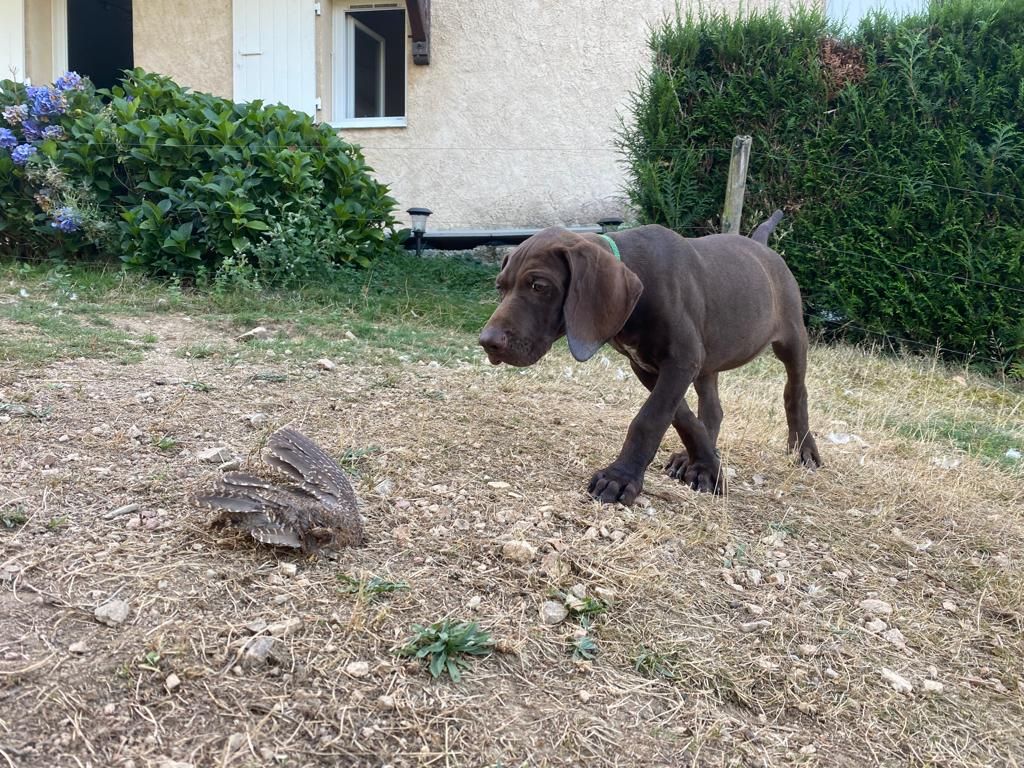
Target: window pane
column 369, row 74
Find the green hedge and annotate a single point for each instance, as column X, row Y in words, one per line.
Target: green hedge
column 183, row 183
column 897, row 152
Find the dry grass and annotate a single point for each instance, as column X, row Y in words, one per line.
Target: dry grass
column 434, row 446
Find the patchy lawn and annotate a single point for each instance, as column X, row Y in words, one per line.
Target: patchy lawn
column 781, row 625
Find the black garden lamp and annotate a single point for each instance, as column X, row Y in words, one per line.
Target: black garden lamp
column 419, row 225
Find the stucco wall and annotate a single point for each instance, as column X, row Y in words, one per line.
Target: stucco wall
column 189, row 42
column 513, row 122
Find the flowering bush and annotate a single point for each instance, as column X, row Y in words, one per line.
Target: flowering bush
column 178, row 182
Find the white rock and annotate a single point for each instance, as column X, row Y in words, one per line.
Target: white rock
column 946, row 462
column 259, row 332
column 585, row 696
column 79, row 647
column 1013, row 453
column 605, row 595
column 899, row 683
column 753, row 576
column 498, row 485
column 286, row 627
column 932, row 686
column 100, row 430
column 255, row 419
column 895, row 637
column 288, row 569
column 386, row 702
column 552, row 612
column 753, row 609
column 950, row 606
column 358, row 669
column 875, row 625
column 325, row 364
column 112, row 613
column 518, row 551
column 217, row 455
column 474, row 602
column 172, row 683
column 755, row 626
column 257, row 650
column 875, row 607
column 144, row 397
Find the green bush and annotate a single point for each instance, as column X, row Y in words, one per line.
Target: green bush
column 182, row 183
column 897, row 152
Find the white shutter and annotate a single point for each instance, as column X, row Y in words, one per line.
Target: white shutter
column 12, row 40
column 275, row 52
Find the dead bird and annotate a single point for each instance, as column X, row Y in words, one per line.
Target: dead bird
column 318, row 510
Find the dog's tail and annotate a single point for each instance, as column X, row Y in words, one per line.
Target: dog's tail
column 765, row 228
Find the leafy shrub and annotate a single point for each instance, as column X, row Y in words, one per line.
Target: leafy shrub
column 181, row 183
column 897, row 151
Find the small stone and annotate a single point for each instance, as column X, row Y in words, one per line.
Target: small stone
column 875, row 626
column 585, row 696
column 100, row 430
column 387, row 702
column 110, row 709
column 755, row 626
column 112, row 613
column 257, row 650
column 325, row 364
column 286, row 627
column 874, row 607
column 779, row 579
column 135, row 433
column 256, row 626
column 783, row 563
column 605, row 594
column 79, row 647
column 1013, row 454
column 144, row 397
column 753, row 609
column 217, row 455
column 358, row 669
column 518, row 551
column 578, row 591
column 899, row 683
column 932, row 686
column 258, row 333
column 288, row 569
column 474, row 602
column 172, row 683
column 753, row 576
column 553, row 565
column 807, row 650
column 255, row 420
column 895, row 637
column 949, row 606
column 552, row 612
column 498, row 485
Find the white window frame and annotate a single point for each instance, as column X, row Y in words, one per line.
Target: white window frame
column 342, row 65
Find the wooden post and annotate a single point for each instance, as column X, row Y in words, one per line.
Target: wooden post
column 736, row 185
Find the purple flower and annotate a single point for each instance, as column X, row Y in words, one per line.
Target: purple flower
column 53, row 132
column 46, row 101
column 33, row 129
column 66, row 219
column 7, row 138
column 21, row 153
column 69, row 81
column 15, row 113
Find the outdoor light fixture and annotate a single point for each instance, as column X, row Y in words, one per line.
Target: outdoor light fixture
column 609, row 224
column 419, row 225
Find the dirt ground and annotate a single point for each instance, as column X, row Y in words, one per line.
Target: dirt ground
column 869, row 613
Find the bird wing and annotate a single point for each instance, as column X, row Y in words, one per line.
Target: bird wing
column 294, row 454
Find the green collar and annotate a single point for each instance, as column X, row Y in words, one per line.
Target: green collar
column 614, row 247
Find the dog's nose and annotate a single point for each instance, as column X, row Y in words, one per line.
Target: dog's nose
column 493, row 339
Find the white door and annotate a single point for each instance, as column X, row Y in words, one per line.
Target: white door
column 275, row 52
column 12, row 40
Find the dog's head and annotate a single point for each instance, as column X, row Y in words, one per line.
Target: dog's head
column 556, row 283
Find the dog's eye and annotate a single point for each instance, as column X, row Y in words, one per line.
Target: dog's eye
column 538, row 287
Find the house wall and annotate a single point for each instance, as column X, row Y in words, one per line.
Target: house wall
column 187, row 41
column 514, row 121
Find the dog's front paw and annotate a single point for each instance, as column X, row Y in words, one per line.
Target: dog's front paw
column 615, row 484
column 705, row 476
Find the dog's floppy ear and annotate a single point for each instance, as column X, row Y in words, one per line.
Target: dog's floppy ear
column 601, row 295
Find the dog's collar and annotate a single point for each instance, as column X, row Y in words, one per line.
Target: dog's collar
column 614, row 247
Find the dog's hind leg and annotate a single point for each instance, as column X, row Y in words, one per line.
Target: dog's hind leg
column 792, row 351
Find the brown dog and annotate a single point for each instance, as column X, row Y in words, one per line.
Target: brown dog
column 681, row 309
